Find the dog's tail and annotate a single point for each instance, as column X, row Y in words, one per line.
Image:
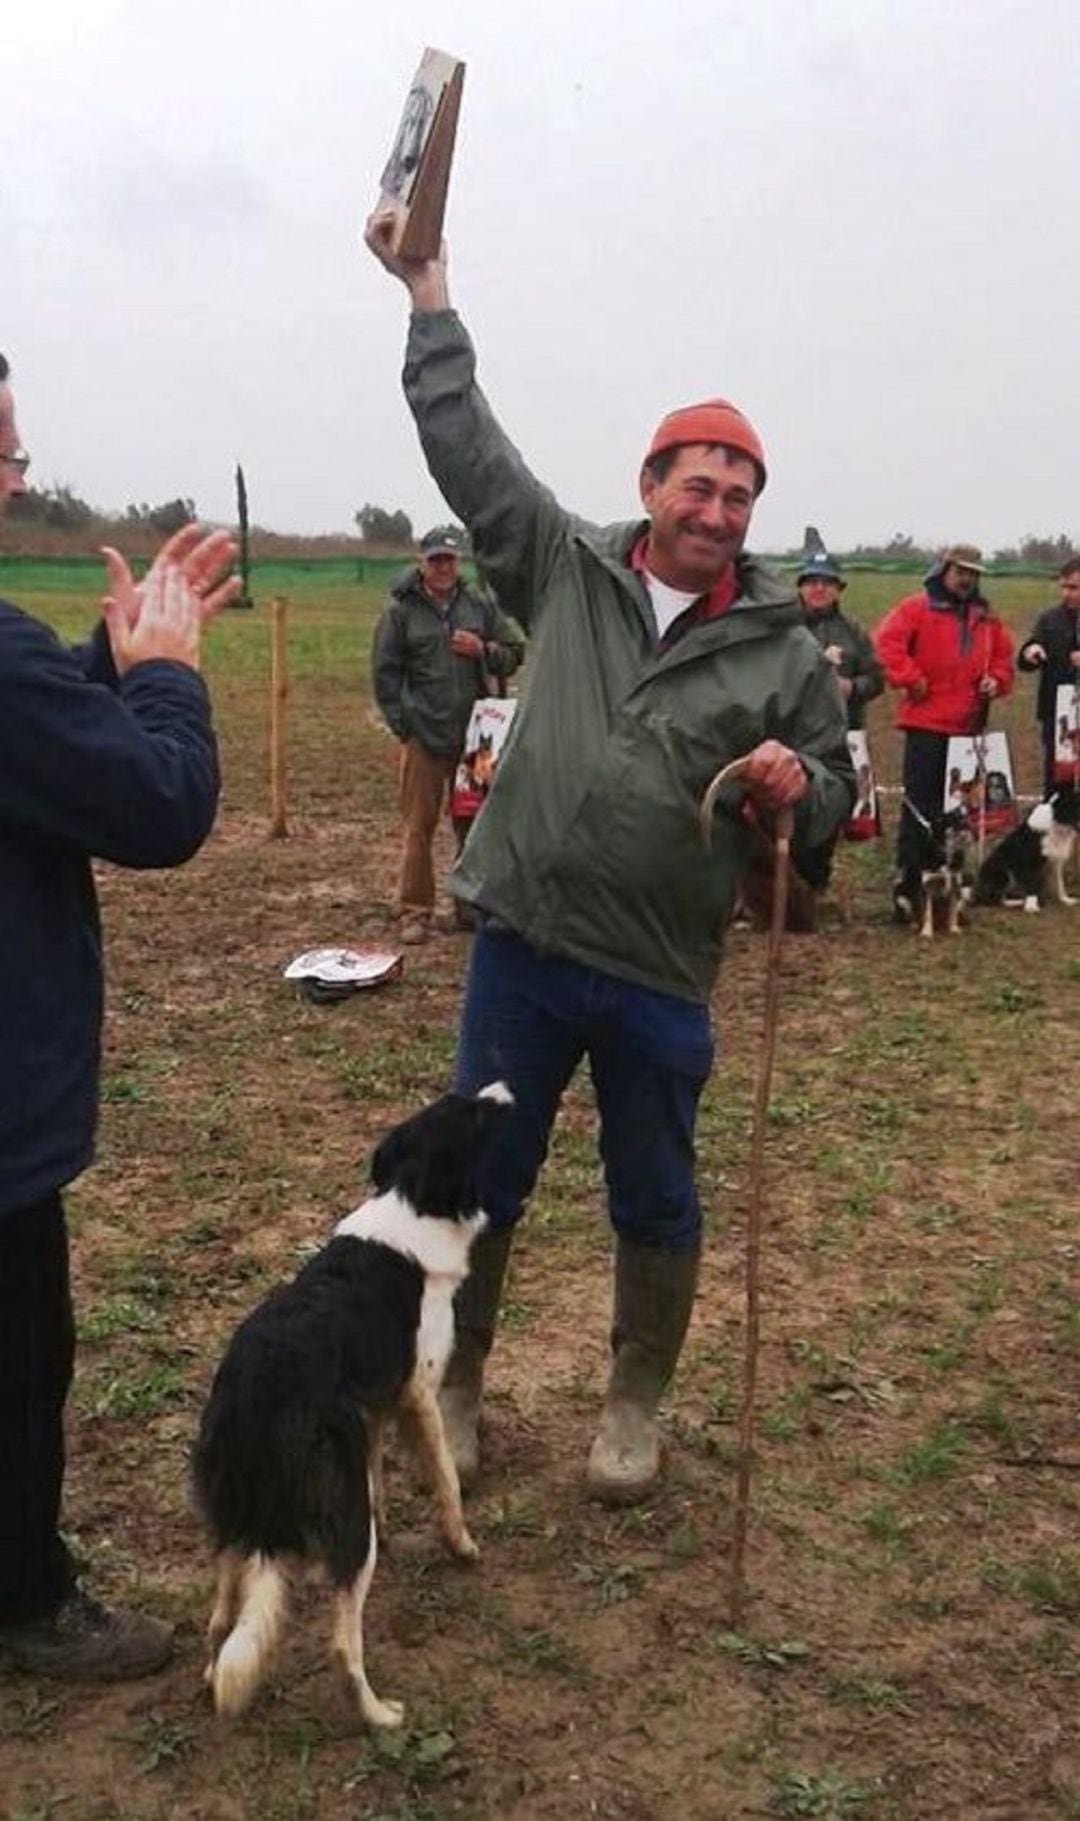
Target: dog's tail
column 242, row 1659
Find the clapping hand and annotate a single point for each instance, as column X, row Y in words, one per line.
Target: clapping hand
column 167, row 624
column 203, row 559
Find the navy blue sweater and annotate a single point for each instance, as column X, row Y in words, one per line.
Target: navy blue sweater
column 90, row 766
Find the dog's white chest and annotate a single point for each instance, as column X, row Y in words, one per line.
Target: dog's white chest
column 1058, row 843
column 435, row 1339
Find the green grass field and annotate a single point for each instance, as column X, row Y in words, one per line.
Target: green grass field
column 911, row 1644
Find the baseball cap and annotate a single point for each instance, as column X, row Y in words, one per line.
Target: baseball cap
column 444, row 541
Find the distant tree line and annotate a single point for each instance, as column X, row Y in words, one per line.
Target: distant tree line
column 1039, row 552
column 61, row 509
column 902, row 551
column 377, row 525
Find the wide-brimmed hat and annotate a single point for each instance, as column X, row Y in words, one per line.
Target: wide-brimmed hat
column 817, row 565
column 965, row 556
column 444, row 541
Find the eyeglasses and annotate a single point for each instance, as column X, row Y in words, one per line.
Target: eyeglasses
column 20, row 461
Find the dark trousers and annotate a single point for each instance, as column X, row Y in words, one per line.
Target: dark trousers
column 529, row 1019
column 924, row 786
column 37, row 1352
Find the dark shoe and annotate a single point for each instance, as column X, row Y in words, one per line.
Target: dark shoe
column 87, row 1642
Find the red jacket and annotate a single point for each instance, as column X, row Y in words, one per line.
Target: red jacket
column 937, row 651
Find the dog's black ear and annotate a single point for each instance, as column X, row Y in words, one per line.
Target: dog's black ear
column 395, row 1155
column 387, row 1159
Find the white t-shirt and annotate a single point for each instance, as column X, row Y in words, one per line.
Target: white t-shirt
column 667, row 603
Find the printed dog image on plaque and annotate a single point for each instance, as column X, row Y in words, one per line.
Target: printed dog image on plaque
column 485, row 737
column 979, row 781
column 417, row 174
column 865, row 819
column 1067, row 734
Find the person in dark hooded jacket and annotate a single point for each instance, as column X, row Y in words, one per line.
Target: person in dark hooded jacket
column 820, row 582
column 436, row 645
column 660, row 651
column 849, row 649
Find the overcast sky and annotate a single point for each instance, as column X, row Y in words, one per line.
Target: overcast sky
column 856, row 218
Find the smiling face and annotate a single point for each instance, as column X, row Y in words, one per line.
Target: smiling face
column 699, row 514
column 439, row 574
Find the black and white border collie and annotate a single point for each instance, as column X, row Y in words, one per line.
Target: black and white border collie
column 288, row 1460
column 1033, row 856
column 931, row 891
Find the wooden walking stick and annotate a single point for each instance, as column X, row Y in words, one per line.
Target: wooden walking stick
column 980, row 773
column 763, row 1083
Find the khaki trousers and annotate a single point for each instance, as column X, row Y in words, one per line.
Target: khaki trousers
column 424, row 780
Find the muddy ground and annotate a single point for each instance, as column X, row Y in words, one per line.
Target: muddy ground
column 910, row 1647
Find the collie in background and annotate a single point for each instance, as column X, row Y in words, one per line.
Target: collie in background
column 1028, row 866
column 288, row 1460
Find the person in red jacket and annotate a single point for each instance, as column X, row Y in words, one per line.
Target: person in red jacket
column 950, row 655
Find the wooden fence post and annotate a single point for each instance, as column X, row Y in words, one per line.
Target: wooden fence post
column 279, row 691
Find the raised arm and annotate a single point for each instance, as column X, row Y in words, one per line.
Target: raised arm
column 516, row 524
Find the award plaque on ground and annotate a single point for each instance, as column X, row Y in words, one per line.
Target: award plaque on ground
column 979, row 781
column 864, row 823
column 417, row 174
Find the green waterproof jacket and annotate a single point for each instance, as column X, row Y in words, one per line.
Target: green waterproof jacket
column 589, row 844
column 859, row 662
column 425, row 691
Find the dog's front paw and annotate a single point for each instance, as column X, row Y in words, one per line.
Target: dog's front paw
column 382, row 1713
column 1031, row 906
column 463, row 1546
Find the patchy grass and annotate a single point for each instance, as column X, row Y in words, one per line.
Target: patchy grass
column 910, row 1645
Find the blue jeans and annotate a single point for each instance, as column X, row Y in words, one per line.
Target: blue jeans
column 528, row 1020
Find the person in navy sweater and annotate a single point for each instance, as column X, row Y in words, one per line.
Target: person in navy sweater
column 106, row 751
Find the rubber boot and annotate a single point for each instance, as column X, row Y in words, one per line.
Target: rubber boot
column 654, row 1296
column 476, row 1309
